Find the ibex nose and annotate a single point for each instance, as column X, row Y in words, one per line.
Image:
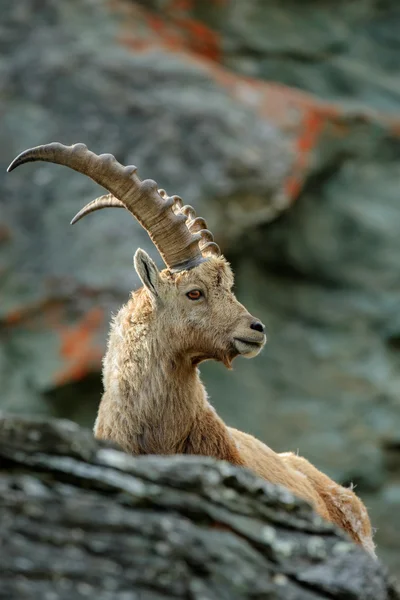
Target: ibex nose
column 257, row 326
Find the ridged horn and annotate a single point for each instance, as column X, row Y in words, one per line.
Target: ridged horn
column 198, row 225
column 108, row 200
column 194, row 224
column 178, row 246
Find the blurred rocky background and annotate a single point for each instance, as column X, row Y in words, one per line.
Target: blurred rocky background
column 279, row 121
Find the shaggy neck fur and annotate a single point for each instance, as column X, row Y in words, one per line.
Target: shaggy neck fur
column 157, row 401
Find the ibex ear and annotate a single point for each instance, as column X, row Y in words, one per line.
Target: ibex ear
column 147, row 271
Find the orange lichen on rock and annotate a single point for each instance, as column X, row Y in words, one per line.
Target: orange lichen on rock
column 304, row 144
column 79, row 347
column 14, row 317
column 300, row 115
column 28, row 315
column 200, row 38
column 167, row 35
column 174, row 30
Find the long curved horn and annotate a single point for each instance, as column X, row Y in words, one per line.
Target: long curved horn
column 194, row 224
column 106, row 201
column 178, row 246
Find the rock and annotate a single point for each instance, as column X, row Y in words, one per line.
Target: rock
column 339, row 51
column 83, row 520
column 56, row 299
column 326, row 286
column 196, row 95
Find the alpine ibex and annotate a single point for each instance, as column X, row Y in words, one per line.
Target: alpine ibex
column 154, row 401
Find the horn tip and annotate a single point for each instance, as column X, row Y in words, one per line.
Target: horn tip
column 13, row 165
column 76, row 218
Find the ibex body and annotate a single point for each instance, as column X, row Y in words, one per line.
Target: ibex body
column 154, row 401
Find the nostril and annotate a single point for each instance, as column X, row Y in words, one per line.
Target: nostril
column 257, row 326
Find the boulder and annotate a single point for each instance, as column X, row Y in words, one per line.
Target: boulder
column 83, row 520
column 278, row 123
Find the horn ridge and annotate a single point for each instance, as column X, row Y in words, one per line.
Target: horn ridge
column 141, row 198
column 174, row 229
column 198, row 224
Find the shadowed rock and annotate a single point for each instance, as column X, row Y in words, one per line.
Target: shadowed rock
column 83, row 520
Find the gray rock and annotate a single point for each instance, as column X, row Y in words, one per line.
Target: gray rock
column 83, row 520
column 324, row 277
column 66, row 78
column 342, row 51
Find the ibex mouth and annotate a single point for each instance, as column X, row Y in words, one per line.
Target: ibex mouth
column 248, row 347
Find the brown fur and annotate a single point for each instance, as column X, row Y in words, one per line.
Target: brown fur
column 155, row 403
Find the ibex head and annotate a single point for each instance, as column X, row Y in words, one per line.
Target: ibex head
column 192, row 298
column 197, row 310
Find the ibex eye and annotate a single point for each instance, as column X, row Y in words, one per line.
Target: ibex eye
column 194, row 294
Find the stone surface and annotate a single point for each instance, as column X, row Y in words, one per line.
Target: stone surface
column 194, row 94
column 342, row 51
column 59, row 284
column 83, row 520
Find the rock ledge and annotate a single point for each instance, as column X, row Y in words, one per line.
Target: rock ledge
column 81, row 519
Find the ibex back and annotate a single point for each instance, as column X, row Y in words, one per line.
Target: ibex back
column 154, row 401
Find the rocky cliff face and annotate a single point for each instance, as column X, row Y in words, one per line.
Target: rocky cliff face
column 80, row 520
column 278, row 122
